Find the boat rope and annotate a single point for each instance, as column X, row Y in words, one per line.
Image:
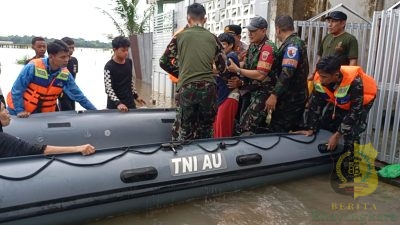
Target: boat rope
column 223, row 145
column 54, row 158
column 30, row 175
column 172, row 146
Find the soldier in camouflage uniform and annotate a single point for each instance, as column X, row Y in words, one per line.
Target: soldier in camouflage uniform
column 196, row 96
column 289, row 95
column 340, row 102
column 259, row 73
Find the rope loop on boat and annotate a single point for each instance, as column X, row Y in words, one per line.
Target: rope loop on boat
column 30, row 175
column 171, row 146
column 222, row 145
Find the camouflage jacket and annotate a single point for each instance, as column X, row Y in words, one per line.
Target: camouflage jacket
column 349, row 118
column 251, row 62
column 169, row 60
column 293, row 65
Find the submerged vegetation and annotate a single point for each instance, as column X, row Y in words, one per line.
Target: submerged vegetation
column 22, row 60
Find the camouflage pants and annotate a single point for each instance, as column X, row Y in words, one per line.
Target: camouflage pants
column 355, row 132
column 254, row 115
column 177, row 124
column 196, row 111
column 288, row 115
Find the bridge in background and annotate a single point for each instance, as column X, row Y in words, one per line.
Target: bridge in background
column 12, row 45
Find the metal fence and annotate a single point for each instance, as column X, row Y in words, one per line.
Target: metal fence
column 313, row 30
column 145, row 54
column 162, row 33
column 383, row 65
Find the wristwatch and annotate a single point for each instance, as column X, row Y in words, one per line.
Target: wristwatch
column 238, row 72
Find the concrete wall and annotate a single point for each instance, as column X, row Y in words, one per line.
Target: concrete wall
column 180, row 15
column 388, row 3
column 304, row 10
column 298, row 9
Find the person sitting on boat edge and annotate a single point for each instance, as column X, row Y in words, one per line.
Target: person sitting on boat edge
column 11, row 146
column 348, row 94
column 39, row 84
column 119, row 81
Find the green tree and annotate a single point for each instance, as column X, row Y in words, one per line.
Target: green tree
column 132, row 23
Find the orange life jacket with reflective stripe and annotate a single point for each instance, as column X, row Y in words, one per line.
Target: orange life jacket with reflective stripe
column 41, row 96
column 172, row 77
column 341, row 96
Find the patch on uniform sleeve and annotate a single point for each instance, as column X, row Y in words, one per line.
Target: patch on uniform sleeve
column 292, row 51
column 264, row 56
column 291, row 57
column 264, row 66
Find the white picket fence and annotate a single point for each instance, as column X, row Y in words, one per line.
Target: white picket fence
column 162, row 33
column 383, row 65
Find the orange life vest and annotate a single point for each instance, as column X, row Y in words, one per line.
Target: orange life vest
column 41, row 96
column 172, row 77
column 341, row 96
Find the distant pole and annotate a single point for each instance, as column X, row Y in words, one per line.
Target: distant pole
column 160, row 6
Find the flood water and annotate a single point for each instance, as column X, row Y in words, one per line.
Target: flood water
column 90, row 77
column 298, row 202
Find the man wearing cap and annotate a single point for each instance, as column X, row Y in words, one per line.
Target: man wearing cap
column 338, row 42
column 287, row 100
column 240, row 47
column 259, row 67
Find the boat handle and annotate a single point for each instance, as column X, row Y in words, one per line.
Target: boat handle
column 58, row 125
column 250, row 159
column 139, row 174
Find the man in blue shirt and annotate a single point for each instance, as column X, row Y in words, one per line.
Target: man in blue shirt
column 41, row 82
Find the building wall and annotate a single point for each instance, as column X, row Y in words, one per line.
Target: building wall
column 388, row 3
column 223, row 12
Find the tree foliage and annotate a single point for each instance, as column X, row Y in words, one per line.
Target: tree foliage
column 127, row 11
column 79, row 42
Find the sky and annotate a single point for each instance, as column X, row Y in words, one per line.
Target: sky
column 58, row 18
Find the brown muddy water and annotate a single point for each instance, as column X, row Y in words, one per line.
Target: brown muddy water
column 300, row 202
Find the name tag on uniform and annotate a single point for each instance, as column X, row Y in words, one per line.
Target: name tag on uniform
column 197, row 164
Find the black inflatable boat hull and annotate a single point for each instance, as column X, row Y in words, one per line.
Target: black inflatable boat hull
column 102, row 129
column 68, row 189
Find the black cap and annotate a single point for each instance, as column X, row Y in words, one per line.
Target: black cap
column 234, row 29
column 336, row 15
column 257, row 23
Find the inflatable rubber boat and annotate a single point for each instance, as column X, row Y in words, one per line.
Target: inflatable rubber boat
column 70, row 188
column 102, row 128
